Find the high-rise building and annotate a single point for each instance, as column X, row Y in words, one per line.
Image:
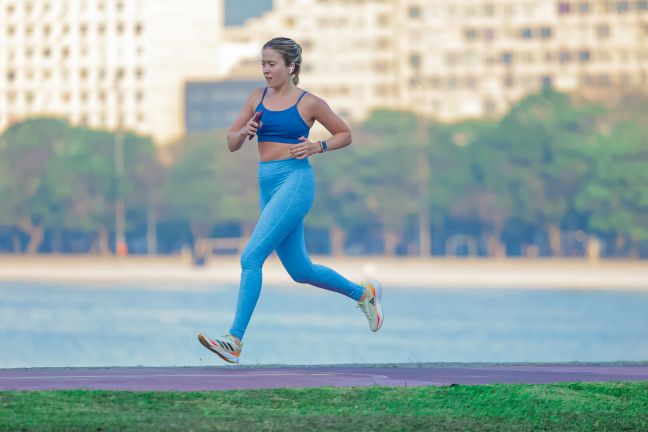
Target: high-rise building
column 454, row 59
column 106, row 63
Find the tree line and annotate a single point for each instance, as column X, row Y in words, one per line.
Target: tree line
column 552, row 165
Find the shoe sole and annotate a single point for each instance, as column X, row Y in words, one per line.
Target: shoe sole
column 222, row 354
column 377, row 294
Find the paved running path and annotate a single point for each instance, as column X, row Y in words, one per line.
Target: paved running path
column 226, row 378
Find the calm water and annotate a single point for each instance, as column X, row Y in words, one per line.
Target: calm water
column 117, row 325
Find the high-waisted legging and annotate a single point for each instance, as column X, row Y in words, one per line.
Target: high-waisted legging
column 286, row 192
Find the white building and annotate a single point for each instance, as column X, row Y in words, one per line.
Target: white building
column 454, row 59
column 96, row 61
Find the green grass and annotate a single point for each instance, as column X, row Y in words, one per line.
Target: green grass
column 611, row 406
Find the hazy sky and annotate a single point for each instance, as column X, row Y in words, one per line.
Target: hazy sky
column 237, row 11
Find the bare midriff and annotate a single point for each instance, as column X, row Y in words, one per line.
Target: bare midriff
column 269, row 151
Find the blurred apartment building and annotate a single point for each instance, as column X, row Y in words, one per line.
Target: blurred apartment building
column 106, row 63
column 162, row 67
column 453, row 59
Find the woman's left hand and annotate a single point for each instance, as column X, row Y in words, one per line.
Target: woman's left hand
column 305, row 148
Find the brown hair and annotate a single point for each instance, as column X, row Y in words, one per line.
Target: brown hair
column 290, row 51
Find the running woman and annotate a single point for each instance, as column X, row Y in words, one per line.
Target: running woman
column 281, row 115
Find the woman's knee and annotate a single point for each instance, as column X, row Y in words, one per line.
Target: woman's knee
column 301, row 275
column 250, row 260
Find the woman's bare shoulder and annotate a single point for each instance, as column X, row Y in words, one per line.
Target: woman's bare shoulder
column 314, row 101
column 255, row 96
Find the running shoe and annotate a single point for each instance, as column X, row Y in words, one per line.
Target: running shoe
column 225, row 346
column 371, row 306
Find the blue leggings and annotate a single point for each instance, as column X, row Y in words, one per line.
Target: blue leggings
column 287, row 191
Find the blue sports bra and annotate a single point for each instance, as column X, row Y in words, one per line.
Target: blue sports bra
column 285, row 126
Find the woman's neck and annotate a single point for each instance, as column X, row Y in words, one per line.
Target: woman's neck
column 285, row 90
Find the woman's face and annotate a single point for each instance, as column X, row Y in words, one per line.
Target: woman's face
column 274, row 68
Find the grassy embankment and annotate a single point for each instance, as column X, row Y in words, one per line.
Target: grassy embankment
column 501, row 407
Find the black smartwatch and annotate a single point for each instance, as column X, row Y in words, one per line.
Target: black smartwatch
column 324, row 146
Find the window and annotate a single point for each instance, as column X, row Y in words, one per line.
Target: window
column 527, row 33
column 507, row 57
column 11, row 75
column 563, row 8
column 623, row 7
column 414, row 12
column 565, row 57
column 546, row 81
column 489, row 106
column 545, row 32
column 583, row 7
column 604, row 80
column 470, row 34
column 603, row 31
column 415, row 60
column 584, row 56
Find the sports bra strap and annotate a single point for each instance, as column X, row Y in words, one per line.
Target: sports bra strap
column 300, row 97
column 264, row 93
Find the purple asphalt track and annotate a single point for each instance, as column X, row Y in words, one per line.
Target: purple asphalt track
column 228, row 378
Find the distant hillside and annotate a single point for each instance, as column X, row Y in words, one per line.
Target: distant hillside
column 237, row 11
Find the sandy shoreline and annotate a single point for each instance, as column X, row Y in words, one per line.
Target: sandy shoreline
column 400, row 272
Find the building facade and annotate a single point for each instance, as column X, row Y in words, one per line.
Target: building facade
column 211, row 105
column 106, row 63
column 450, row 60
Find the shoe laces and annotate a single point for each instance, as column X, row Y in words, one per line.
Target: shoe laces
column 229, row 338
column 364, row 307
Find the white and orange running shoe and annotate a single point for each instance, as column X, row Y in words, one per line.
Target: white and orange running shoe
column 225, row 346
column 371, row 306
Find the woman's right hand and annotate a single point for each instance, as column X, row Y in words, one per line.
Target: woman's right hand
column 253, row 125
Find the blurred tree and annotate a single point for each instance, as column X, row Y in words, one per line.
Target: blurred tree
column 208, row 184
column 36, row 187
column 388, row 172
column 616, row 194
column 89, row 159
column 532, row 165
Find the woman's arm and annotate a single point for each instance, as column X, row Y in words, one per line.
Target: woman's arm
column 341, row 134
column 244, row 125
